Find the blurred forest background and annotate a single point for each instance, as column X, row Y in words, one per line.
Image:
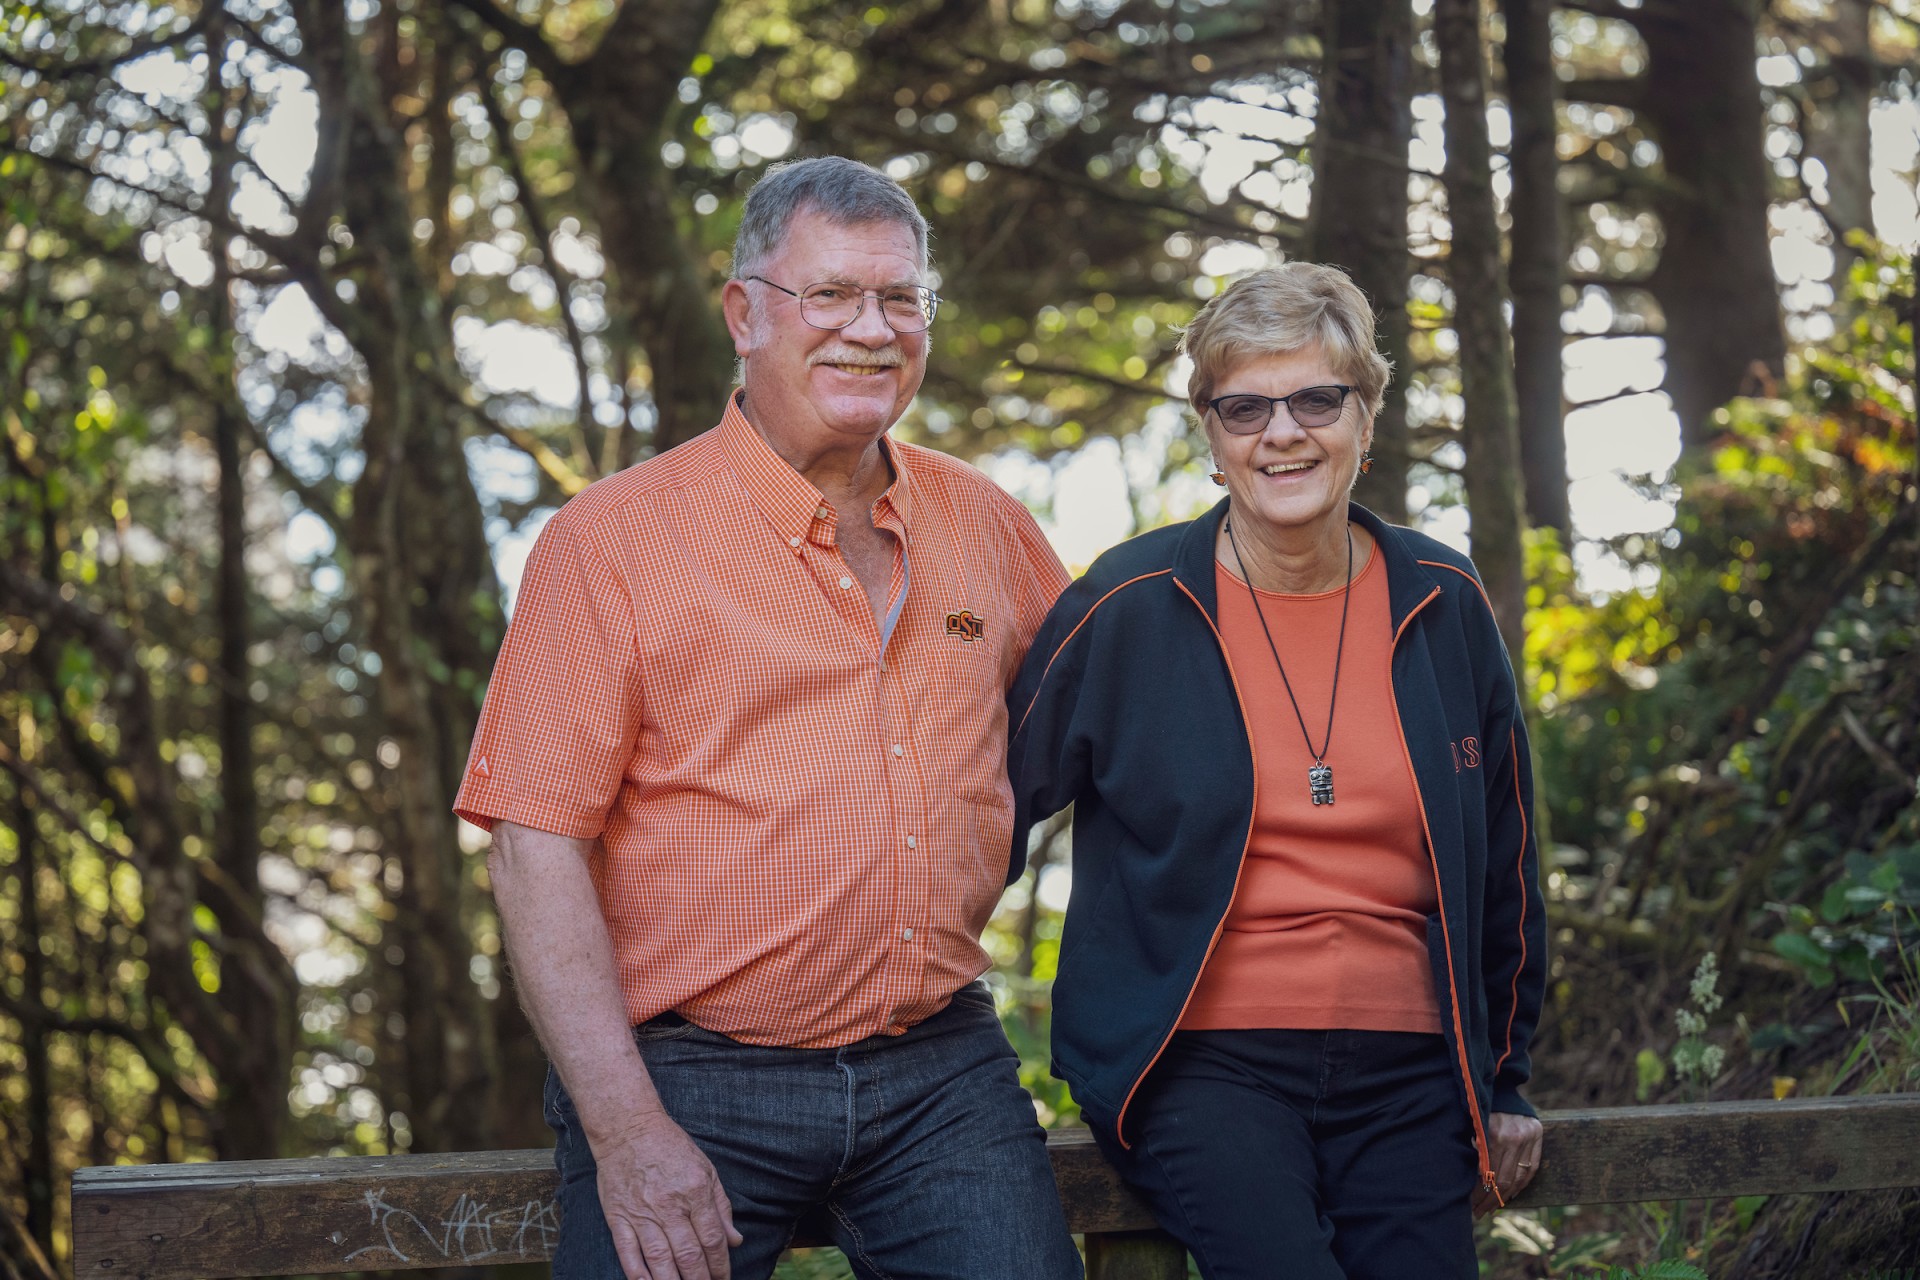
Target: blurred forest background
column 312, row 310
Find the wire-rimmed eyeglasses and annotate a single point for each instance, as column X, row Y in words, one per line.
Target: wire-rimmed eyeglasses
column 834, row 304
column 1244, row 415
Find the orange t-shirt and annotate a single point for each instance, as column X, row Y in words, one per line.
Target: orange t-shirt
column 800, row 814
column 1328, row 927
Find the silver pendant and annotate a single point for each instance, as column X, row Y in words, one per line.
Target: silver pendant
column 1320, row 780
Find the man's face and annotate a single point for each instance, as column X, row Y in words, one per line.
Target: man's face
column 828, row 385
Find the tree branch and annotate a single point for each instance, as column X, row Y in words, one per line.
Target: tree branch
column 551, row 463
column 19, row 1249
column 1285, row 228
column 1649, row 10
column 156, row 1051
column 209, row 9
column 1088, row 375
column 1786, row 655
column 168, row 875
column 25, row 777
column 1610, row 91
column 1876, row 752
column 1606, row 281
column 312, row 497
column 287, row 249
column 258, row 39
column 1622, row 394
column 543, row 235
column 524, row 36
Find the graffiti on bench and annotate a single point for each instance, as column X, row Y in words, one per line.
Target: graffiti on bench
column 468, row 1232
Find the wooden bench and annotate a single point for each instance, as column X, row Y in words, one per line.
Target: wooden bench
column 287, row 1217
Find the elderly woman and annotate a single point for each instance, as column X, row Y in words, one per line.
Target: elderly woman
column 1305, row 948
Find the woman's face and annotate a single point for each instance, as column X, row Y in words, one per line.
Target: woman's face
column 1289, row 478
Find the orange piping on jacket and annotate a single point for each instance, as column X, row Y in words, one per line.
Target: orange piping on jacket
column 1446, row 933
column 1120, row 1121
column 1068, row 639
column 1513, row 1007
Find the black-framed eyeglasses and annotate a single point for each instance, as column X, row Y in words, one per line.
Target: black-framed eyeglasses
column 1245, row 415
column 831, row 304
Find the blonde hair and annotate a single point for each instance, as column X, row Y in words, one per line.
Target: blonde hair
column 1281, row 309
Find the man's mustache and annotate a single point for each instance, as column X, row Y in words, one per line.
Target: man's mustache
column 882, row 358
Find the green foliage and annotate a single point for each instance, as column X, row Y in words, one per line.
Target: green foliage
column 1889, row 1041
column 1758, row 693
column 1858, row 922
column 1664, row 1270
column 814, row 1264
column 1547, row 1242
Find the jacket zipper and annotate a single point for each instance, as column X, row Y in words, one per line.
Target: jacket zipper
column 1120, row 1122
column 1459, row 1035
column 1446, row 933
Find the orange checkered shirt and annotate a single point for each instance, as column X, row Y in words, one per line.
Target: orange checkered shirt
column 800, row 831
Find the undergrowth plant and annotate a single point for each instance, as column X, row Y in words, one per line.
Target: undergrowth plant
column 1890, row 1039
column 1666, row 1270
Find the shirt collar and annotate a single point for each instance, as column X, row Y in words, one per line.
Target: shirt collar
column 899, row 494
column 791, row 503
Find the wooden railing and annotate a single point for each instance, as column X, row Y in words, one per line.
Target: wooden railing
column 288, row 1217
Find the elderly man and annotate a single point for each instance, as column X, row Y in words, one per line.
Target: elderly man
column 743, row 761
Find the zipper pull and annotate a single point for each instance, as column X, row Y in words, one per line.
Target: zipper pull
column 1488, row 1183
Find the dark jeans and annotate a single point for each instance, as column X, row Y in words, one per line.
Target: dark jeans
column 1314, row 1155
column 919, row 1154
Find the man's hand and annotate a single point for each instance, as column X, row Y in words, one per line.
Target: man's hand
column 1515, row 1157
column 664, row 1205
column 669, row 1218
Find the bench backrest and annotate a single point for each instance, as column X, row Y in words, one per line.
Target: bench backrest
column 283, row 1217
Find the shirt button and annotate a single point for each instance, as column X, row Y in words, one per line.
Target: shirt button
column 910, row 843
column 823, row 513
column 907, row 934
column 899, row 750
column 793, row 542
column 845, row 583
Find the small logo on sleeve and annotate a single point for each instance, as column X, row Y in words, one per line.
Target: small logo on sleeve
column 480, row 769
column 966, row 626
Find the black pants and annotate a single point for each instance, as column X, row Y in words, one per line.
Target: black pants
column 1310, row 1155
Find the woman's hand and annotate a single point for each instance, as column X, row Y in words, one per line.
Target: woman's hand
column 1515, row 1157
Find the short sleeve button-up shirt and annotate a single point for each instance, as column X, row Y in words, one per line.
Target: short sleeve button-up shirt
column 800, row 813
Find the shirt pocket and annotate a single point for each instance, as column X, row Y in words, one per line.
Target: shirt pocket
column 967, row 698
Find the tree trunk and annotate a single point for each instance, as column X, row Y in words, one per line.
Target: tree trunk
column 1359, row 219
column 618, row 103
column 33, row 1036
column 420, row 566
column 1714, row 280
column 254, row 1094
column 1538, row 264
column 1837, row 130
column 1489, row 432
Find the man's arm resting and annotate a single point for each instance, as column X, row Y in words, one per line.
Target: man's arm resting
column 664, row 1204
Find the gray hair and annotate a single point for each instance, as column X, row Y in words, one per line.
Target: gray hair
column 844, row 192
column 1283, row 309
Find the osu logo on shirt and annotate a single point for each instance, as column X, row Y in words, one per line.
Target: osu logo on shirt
column 966, row 626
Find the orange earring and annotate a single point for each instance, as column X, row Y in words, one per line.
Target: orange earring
column 1366, row 462
column 1218, row 477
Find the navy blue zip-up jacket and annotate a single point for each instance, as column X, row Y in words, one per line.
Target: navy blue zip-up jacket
column 1127, row 709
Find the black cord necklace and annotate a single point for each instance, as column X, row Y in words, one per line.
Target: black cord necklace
column 1320, row 776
